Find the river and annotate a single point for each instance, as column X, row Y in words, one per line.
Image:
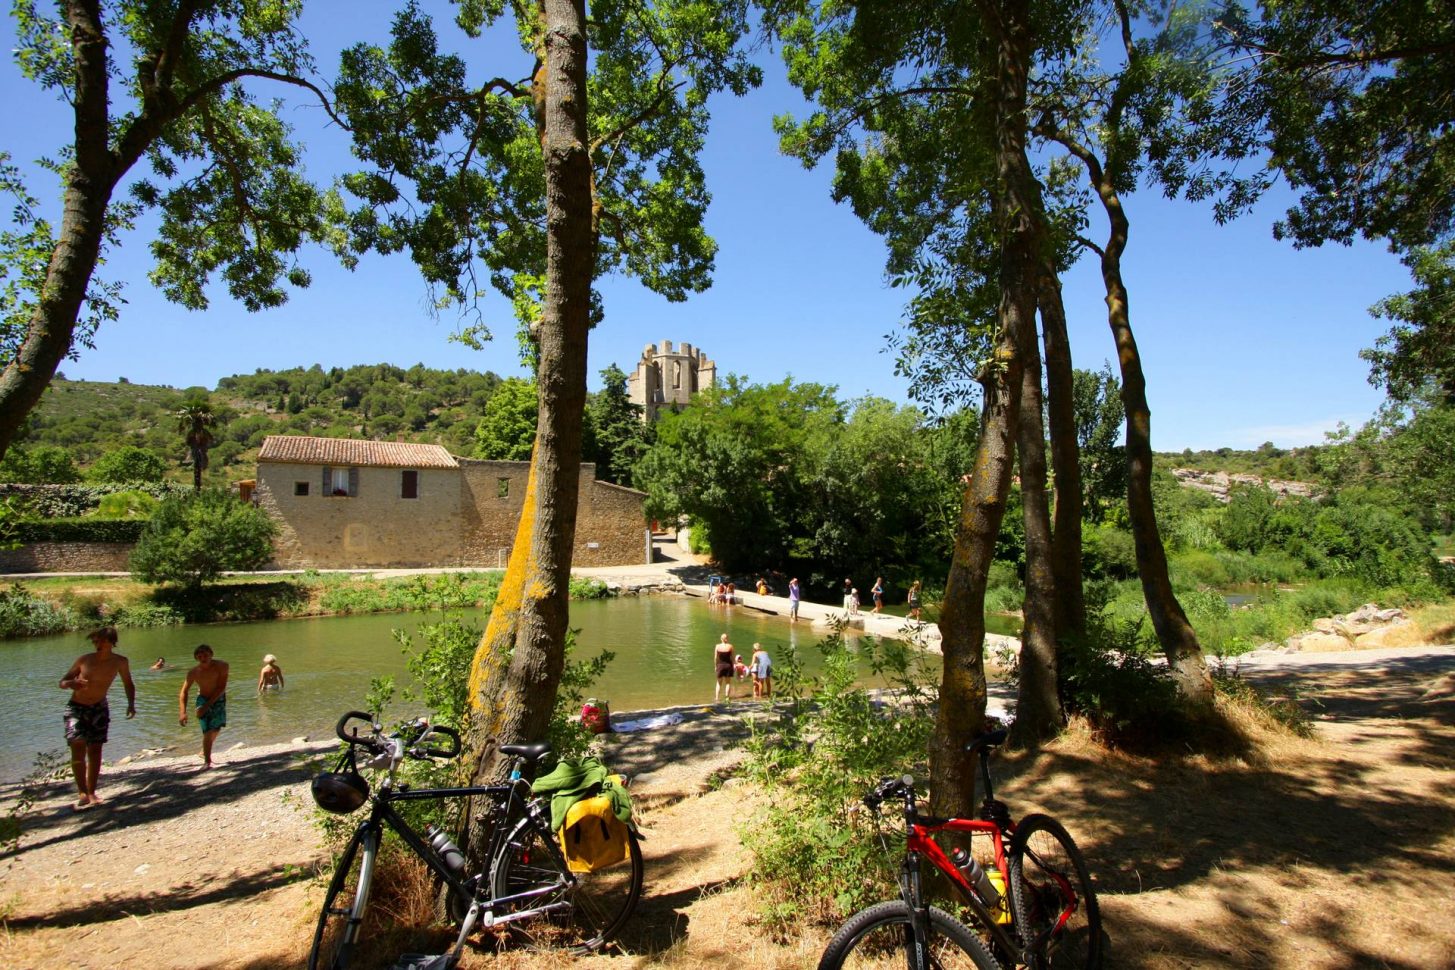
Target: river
column 663, row 648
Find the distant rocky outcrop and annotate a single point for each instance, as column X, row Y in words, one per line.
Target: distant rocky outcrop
column 1218, row 484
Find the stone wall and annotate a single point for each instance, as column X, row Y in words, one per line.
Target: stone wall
column 67, row 557
column 376, row 526
column 462, row 517
column 611, row 528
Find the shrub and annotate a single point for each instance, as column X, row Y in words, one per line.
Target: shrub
column 24, row 615
column 1108, row 553
column 128, row 464
column 813, row 858
column 80, row 530
column 131, row 504
column 193, row 539
column 146, row 615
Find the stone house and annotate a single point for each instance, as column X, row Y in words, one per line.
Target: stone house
column 343, row 503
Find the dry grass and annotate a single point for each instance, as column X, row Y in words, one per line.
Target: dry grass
column 1436, row 623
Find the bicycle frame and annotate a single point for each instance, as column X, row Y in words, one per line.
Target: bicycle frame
column 512, row 811
column 921, row 845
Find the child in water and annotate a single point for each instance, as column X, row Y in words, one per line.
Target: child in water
column 271, row 676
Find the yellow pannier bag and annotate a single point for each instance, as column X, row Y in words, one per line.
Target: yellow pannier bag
column 592, row 837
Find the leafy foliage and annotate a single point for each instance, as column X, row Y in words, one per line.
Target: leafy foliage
column 507, row 428
column 193, row 540
column 24, row 615
column 812, row 858
column 128, row 464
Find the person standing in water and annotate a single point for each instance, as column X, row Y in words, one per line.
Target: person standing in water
column 210, row 676
column 722, row 662
column 271, row 676
column 88, row 716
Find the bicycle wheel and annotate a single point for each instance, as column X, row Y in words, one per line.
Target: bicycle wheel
column 1050, row 890
column 343, row 908
column 881, row 935
column 598, row 902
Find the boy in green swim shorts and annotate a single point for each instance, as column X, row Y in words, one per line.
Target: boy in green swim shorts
column 210, row 676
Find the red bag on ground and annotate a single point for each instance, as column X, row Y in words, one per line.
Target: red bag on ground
column 596, row 716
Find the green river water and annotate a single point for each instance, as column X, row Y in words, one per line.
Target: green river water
column 663, row 648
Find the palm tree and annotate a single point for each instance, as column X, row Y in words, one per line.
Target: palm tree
column 194, row 419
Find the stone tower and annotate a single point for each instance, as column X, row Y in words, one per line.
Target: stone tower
column 667, row 378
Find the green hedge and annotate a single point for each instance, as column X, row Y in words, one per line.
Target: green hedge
column 79, row 530
column 69, row 501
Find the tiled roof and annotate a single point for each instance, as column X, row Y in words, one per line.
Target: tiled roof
column 299, row 449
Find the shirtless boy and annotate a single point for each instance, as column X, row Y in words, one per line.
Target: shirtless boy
column 210, row 676
column 88, row 717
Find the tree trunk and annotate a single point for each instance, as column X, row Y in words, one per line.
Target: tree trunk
column 1038, row 703
column 1070, row 604
column 518, row 665
column 1179, row 641
column 961, row 712
column 89, row 185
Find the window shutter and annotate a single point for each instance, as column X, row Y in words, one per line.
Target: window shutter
column 409, row 484
column 353, row 481
column 327, row 482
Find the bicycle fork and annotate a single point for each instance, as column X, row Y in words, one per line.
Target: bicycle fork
column 918, row 941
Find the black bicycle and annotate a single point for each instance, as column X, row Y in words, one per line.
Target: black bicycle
column 528, row 884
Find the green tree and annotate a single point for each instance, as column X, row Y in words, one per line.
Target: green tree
column 585, row 164
column 40, row 464
column 167, row 84
column 621, row 435
column 1100, row 418
column 507, row 428
column 735, row 459
column 196, row 420
column 128, row 464
column 192, row 539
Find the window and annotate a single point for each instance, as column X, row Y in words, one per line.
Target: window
column 340, row 482
column 502, row 488
column 409, row 484
column 300, row 488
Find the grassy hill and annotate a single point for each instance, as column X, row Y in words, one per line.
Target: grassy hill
column 90, row 418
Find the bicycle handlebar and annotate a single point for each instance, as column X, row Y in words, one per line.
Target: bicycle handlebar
column 352, row 737
column 420, row 750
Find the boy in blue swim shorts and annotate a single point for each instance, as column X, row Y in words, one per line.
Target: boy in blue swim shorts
column 210, row 676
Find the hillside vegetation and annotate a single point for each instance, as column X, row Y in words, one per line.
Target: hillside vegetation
column 89, row 419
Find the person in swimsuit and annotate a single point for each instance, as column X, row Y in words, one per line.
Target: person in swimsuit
column 161, row 664
column 762, row 666
column 271, row 676
column 794, row 595
column 878, row 592
column 210, row 676
column 913, row 601
column 87, row 716
column 722, row 662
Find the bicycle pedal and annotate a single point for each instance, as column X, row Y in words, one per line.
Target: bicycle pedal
column 423, row 961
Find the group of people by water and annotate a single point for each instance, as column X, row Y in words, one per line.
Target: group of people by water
column 87, row 715
column 728, row 666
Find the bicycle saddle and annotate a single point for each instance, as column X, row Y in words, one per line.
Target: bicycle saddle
column 990, row 739
column 530, row 752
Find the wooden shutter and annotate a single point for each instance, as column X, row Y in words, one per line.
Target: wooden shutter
column 327, row 482
column 353, row 480
column 409, row 484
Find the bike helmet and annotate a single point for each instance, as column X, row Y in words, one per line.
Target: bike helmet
column 340, row 792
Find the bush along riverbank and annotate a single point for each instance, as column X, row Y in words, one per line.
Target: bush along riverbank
column 53, row 605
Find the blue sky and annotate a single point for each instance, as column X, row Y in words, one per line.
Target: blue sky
column 1244, row 339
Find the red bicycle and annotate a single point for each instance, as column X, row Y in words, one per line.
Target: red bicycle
column 1050, row 920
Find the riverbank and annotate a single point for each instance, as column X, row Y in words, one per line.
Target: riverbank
column 1330, row 853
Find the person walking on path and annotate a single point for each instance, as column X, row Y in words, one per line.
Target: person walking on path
column 210, row 676
column 722, row 662
column 794, row 595
column 878, row 593
column 88, row 716
column 762, row 667
column 913, row 600
column 854, row 602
